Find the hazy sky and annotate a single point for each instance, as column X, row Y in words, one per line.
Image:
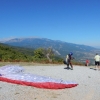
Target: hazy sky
column 74, row 21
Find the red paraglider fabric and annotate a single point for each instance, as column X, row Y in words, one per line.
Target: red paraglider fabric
column 14, row 74
column 48, row 85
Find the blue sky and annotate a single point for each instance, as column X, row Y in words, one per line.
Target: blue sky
column 73, row 21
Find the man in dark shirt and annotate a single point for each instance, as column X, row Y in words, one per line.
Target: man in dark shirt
column 68, row 61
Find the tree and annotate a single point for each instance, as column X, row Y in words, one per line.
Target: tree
column 49, row 54
column 38, row 53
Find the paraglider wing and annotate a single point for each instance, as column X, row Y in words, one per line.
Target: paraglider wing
column 16, row 75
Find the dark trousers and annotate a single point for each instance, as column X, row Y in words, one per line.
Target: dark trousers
column 69, row 63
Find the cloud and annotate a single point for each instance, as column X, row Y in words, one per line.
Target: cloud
column 6, row 39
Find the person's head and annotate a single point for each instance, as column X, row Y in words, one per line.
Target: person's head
column 71, row 53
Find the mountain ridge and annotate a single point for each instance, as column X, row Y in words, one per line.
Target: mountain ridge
column 81, row 52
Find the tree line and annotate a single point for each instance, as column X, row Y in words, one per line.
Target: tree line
column 18, row 54
column 39, row 55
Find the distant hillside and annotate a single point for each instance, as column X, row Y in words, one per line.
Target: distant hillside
column 10, row 53
column 81, row 52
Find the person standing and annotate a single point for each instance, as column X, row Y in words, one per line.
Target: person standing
column 87, row 62
column 68, row 60
column 97, row 61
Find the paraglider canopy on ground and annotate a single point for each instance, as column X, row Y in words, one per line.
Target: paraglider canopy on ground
column 15, row 74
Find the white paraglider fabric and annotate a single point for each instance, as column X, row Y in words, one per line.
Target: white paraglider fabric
column 16, row 72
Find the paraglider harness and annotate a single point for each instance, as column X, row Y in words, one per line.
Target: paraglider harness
column 69, row 59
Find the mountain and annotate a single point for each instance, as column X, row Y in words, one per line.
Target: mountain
column 81, row 52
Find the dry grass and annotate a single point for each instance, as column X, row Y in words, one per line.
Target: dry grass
column 26, row 64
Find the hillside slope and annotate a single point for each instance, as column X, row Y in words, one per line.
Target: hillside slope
column 81, row 52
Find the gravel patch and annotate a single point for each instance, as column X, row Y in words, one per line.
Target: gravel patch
column 88, row 88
